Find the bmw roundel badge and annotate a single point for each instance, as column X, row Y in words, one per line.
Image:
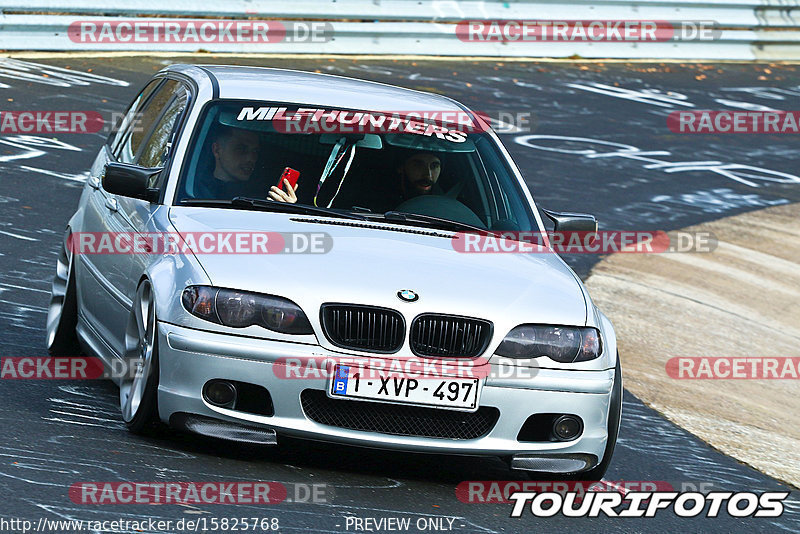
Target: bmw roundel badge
column 407, row 295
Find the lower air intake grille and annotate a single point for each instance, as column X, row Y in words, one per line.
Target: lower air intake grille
column 366, row 328
column 397, row 419
column 449, row 336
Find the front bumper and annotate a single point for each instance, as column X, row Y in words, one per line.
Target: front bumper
column 189, row 358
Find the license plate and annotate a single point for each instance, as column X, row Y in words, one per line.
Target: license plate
column 353, row 382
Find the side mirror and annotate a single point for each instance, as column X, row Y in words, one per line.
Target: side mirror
column 572, row 222
column 131, row 181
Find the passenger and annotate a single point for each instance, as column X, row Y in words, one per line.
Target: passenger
column 236, row 152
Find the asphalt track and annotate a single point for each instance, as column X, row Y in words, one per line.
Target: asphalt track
column 56, row 433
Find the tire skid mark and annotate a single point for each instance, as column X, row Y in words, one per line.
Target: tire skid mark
column 28, row 71
column 79, row 177
column 84, row 416
column 82, row 406
column 12, row 286
column 81, row 423
column 18, row 236
column 144, row 450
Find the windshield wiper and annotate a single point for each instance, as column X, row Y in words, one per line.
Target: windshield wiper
column 207, row 202
column 272, row 205
column 413, row 219
column 429, row 220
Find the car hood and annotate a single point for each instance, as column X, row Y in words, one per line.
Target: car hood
column 370, row 266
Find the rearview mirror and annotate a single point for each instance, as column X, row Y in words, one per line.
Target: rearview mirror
column 131, row 181
column 572, row 222
column 361, row 141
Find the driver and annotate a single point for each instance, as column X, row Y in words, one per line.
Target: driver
column 236, row 151
column 418, row 174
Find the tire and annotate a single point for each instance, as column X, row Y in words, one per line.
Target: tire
column 138, row 391
column 62, row 314
column 614, row 419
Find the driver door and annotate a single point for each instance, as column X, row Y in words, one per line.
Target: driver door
column 143, row 139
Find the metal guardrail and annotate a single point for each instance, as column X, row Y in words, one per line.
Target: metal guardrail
column 731, row 12
column 752, row 29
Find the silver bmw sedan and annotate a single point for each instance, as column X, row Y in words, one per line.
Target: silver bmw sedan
column 261, row 253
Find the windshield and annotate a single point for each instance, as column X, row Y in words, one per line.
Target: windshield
column 351, row 161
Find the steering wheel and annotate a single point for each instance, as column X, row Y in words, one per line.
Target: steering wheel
column 442, row 206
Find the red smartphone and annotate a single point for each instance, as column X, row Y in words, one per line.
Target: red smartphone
column 289, row 174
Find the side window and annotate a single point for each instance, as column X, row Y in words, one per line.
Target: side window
column 145, row 118
column 155, row 149
column 128, row 121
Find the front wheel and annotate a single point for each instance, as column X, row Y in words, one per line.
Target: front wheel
column 138, row 390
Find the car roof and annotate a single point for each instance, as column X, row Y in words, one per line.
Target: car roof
column 292, row 86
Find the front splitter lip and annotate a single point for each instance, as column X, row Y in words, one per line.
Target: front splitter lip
column 217, row 428
column 189, row 358
column 554, row 463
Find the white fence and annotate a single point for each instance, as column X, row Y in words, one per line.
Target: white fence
column 748, row 29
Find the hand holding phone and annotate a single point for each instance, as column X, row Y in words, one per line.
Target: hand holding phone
column 277, row 191
column 288, row 174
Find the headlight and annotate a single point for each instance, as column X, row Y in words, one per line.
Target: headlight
column 565, row 344
column 240, row 309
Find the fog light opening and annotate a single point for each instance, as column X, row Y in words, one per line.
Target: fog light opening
column 567, row 427
column 220, row 393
